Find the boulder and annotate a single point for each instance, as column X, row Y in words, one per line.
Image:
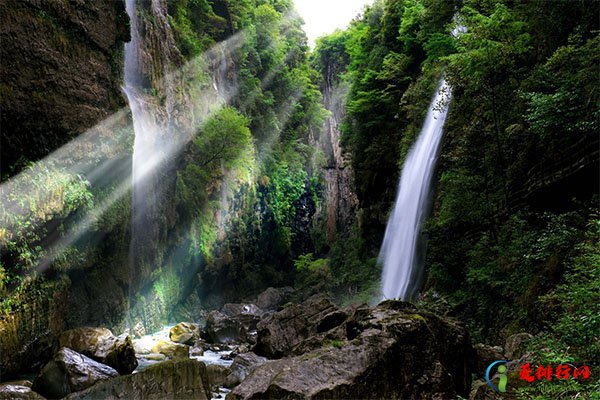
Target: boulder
column 280, row 332
column 170, row 349
column 18, row 390
column 197, row 350
column 69, row 372
column 101, row 345
column 217, row 374
column 390, row 351
column 220, row 328
column 272, row 298
column 243, row 365
column 175, row 379
column 184, row 332
column 247, row 314
column 515, row 346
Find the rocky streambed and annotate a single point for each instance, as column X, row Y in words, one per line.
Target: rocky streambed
column 266, row 350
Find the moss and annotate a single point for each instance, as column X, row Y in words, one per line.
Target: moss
column 338, row 344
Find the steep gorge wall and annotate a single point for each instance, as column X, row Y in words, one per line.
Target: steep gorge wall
column 60, row 75
column 60, row 72
column 338, row 211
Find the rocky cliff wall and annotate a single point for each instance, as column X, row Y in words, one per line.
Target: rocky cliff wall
column 338, row 211
column 60, row 72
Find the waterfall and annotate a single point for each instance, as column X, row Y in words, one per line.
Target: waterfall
column 146, row 154
column 401, row 251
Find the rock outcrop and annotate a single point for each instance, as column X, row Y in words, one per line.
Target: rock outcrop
column 220, row 328
column 390, row 351
column 60, row 75
column 272, row 298
column 243, row 365
column 153, row 348
column 280, row 332
column 101, row 345
column 485, row 355
column 18, row 390
column 176, row 379
column 61, row 68
column 184, row 333
column 69, row 372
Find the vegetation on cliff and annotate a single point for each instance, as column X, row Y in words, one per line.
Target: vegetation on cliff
column 513, row 234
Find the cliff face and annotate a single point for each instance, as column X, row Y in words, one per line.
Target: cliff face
column 340, row 204
column 60, row 75
column 60, row 72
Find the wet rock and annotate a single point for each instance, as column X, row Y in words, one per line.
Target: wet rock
column 516, row 345
column 217, row 374
column 220, row 328
column 252, row 336
column 154, row 357
column 184, row 332
column 175, row 379
column 170, row 349
column 18, row 390
column 101, row 345
column 272, row 298
column 280, row 332
column 243, row 365
column 196, row 350
column 395, row 352
column 69, row 372
column 242, row 348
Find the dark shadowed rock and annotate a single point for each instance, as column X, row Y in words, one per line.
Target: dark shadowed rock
column 280, row 332
column 184, row 332
column 18, row 390
column 101, row 345
column 331, row 320
column 220, row 328
column 246, row 314
column 272, row 298
column 59, row 75
column 217, row 374
column 485, row 355
column 69, row 372
column 242, row 365
column 175, row 379
column 395, row 352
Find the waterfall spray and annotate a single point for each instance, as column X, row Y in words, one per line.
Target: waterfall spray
column 402, row 249
column 145, row 156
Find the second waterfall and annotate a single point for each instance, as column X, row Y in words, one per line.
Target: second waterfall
column 402, row 250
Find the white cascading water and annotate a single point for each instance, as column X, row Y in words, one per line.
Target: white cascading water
column 146, row 155
column 401, row 252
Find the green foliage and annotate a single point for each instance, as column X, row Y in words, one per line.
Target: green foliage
column 39, row 195
column 196, row 25
column 223, row 143
column 574, row 306
column 285, row 186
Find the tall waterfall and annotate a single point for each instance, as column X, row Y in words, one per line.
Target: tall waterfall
column 401, row 251
column 146, row 154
